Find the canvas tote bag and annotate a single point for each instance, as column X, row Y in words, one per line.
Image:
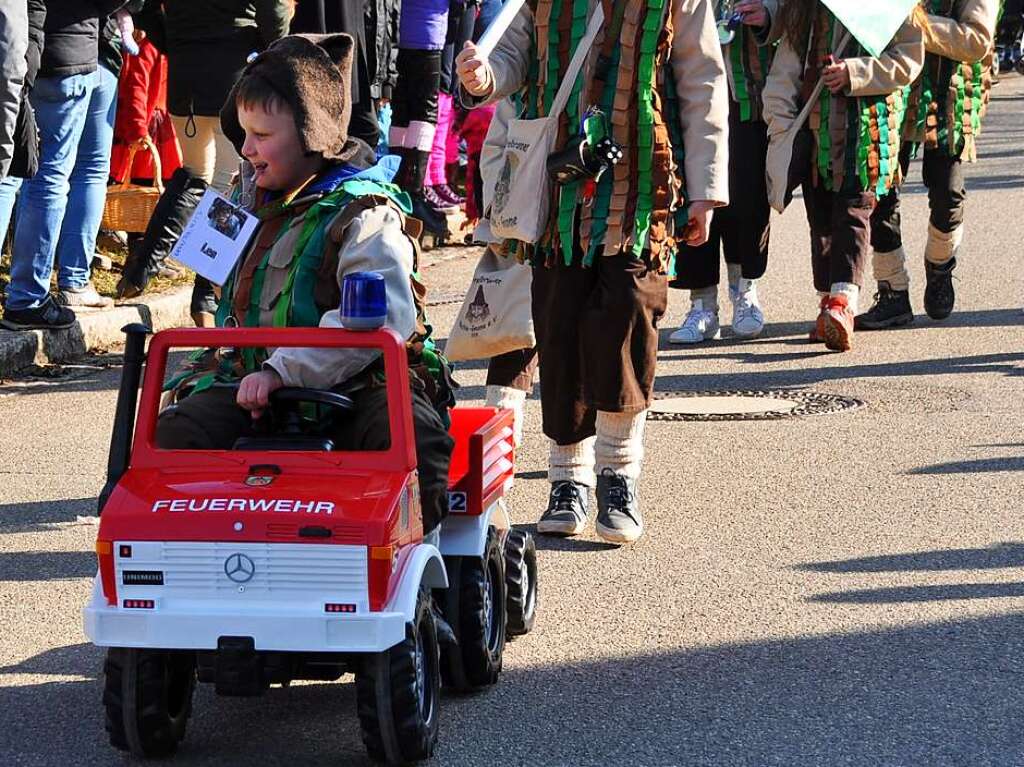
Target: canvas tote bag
column 496, row 316
column 522, row 193
column 780, row 146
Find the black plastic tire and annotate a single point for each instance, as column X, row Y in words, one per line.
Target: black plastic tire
column 148, row 698
column 398, row 693
column 520, row 582
column 475, row 609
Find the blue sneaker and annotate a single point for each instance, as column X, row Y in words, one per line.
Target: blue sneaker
column 566, row 513
column 618, row 515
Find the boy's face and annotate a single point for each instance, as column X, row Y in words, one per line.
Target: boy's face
column 272, row 146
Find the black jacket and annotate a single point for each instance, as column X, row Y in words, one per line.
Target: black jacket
column 382, row 45
column 352, row 18
column 71, row 35
column 207, row 43
column 25, row 160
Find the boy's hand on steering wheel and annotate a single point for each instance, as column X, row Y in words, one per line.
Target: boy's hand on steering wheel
column 255, row 389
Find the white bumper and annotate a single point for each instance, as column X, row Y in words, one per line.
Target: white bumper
column 281, row 604
column 109, row 626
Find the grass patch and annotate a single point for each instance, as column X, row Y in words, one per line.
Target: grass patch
column 105, row 281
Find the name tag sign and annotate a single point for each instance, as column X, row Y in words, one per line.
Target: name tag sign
column 215, row 237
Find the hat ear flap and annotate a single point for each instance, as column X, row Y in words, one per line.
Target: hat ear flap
column 229, row 124
column 339, row 47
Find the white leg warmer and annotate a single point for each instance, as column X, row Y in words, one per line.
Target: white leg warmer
column 510, row 399
column 572, row 462
column 620, row 442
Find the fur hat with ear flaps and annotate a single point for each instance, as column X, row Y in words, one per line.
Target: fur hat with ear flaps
column 313, row 75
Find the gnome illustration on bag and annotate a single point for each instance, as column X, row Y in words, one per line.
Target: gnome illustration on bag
column 478, row 311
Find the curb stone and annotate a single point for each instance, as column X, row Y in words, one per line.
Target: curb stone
column 94, row 330
column 102, row 329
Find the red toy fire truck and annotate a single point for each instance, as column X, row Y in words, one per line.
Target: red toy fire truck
column 288, row 560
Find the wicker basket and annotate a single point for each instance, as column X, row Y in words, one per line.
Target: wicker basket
column 129, row 206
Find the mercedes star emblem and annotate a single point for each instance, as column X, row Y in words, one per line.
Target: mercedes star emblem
column 239, row 568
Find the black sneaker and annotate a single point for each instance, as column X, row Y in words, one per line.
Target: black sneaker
column 566, row 513
column 47, row 316
column 939, row 295
column 433, row 220
column 618, row 516
column 891, row 309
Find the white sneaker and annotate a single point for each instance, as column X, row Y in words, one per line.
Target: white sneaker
column 747, row 317
column 700, row 325
column 84, row 297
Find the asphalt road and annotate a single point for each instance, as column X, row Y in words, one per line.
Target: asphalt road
column 837, row 590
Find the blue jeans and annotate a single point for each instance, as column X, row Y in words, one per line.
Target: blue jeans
column 63, row 105
column 9, row 187
column 77, row 242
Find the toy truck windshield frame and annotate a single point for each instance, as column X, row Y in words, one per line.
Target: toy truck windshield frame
column 399, row 457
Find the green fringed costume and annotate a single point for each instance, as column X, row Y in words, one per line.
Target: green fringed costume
column 740, row 233
column 642, row 204
column 856, row 138
column 748, row 60
column 656, row 77
column 945, row 109
column 949, row 100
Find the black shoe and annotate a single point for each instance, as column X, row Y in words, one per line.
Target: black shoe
column 566, row 513
column 433, row 221
column 939, row 295
column 618, row 515
column 891, row 309
column 47, row 316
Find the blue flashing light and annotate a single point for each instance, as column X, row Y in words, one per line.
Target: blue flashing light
column 364, row 301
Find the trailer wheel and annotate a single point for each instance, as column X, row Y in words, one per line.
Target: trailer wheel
column 520, row 582
column 148, row 698
column 398, row 693
column 475, row 608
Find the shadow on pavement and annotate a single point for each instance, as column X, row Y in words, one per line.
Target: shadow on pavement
column 774, row 331
column 539, row 474
column 46, row 565
column 71, row 660
column 992, row 558
column 1007, row 363
column 554, row 543
column 37, row 516
column 935, row 694
column 1006, row 463
column 934, row 593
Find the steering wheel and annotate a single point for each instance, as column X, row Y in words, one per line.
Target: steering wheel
column 287, row 415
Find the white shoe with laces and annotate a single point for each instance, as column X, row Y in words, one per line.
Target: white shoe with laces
column 747, row 317
column 700, row 325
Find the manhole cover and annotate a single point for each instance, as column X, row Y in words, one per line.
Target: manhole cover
column 745, row 405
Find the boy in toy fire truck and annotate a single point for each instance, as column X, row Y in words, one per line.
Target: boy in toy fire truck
column 325, row 210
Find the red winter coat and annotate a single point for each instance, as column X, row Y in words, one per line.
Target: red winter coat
column 141, row 112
